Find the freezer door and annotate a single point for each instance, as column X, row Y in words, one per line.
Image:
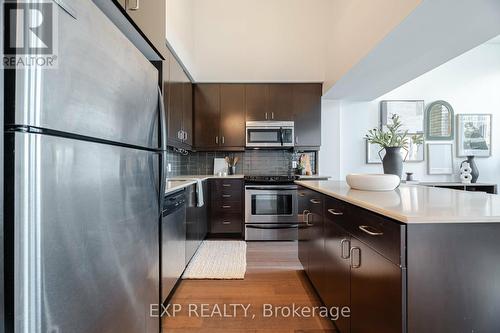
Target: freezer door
column 103, row 87
column 86, row 236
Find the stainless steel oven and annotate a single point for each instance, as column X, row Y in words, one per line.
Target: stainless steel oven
column 269, row 134
column 271, row 212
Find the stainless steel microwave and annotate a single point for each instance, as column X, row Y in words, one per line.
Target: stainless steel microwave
column 268, row 134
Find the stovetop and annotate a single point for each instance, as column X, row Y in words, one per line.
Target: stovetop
column 274, row 179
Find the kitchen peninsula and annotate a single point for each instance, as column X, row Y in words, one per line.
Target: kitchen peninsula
column 417, row 259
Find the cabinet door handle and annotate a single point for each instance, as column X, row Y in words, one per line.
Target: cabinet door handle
column 137, row 5
column 296, row 139
column 342, row 247
column 217, row 140
column 370, row 230
column 223, row 140
column 301, row 194
column 226, row 206
column 266, row 115
column 351, row 253
column 334, row 212
column 315, row 201
column 226, row 195
column 272, row 115
column 185, row 135
column 179, row 135
column 226, row 222
column 226, row 185
column 305, row 216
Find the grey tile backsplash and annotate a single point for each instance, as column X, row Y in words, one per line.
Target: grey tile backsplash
column 252, row 162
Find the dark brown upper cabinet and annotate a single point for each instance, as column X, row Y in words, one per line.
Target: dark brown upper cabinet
column 256, row 102
column 306, row 107
column 220, row 112
column 187, row 119
column 206, row 116
column 280, row 102
column 178, row 98
column 269, row 101
column 219, row 116
column 232, row 115
column 150, row 16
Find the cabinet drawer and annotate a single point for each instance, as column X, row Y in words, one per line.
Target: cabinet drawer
column 336, row 210
column 315, row 203
column 228, row 195
column 228, row 185
column 225, row 207
column 229, row 223
column 385, row 236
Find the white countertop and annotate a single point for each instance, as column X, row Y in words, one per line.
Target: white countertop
column 205, row 177
column 415, row 204
column 185, row 181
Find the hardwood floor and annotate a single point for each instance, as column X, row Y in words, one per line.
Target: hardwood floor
column 274, row 276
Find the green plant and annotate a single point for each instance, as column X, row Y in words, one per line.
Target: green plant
column 393, row 136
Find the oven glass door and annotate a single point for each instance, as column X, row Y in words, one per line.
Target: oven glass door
column 275, row 204
column 271, row 205
column 261, row 137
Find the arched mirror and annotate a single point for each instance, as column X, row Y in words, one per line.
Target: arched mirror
column 439, row 121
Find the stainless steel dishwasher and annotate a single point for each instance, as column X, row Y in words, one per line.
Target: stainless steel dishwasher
column 173, row 240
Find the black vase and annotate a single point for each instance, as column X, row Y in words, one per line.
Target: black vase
column 393, row 161
column 475, row 171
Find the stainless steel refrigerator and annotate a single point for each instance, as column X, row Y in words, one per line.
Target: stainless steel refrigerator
column 82, row 178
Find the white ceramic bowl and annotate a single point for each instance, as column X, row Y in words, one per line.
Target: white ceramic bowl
column 373, row 182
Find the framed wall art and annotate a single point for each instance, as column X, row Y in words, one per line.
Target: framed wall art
column 474, row 135
column 411, row 114
column 440, row 158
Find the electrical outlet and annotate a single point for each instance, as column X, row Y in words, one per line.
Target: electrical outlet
column 169, row 167
column 294, row 164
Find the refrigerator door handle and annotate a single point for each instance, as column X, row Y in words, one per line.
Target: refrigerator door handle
column 163, row 121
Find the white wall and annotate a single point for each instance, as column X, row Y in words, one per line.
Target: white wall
column 180, row 31
column 331, row 132
column 470, row 83
column 260, row 40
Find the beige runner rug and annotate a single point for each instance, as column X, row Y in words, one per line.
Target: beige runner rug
column 220, row 260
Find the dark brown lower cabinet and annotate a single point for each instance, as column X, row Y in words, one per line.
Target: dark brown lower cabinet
column 345, row 271
column 376, row 291
column 304, row 234
column 397, row 277
column 316, row 270
column 337, row 270
column 226, row 206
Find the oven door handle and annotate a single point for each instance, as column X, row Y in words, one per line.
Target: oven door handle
column 264, row 188
column 284, row 226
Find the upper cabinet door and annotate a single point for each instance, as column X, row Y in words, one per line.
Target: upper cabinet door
column 206, row 115
column 232, row 115
column 306, row 105
column 187, row 121
column 280, row 102
column 176, row 101
column 150, row 17
column 257, row 102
